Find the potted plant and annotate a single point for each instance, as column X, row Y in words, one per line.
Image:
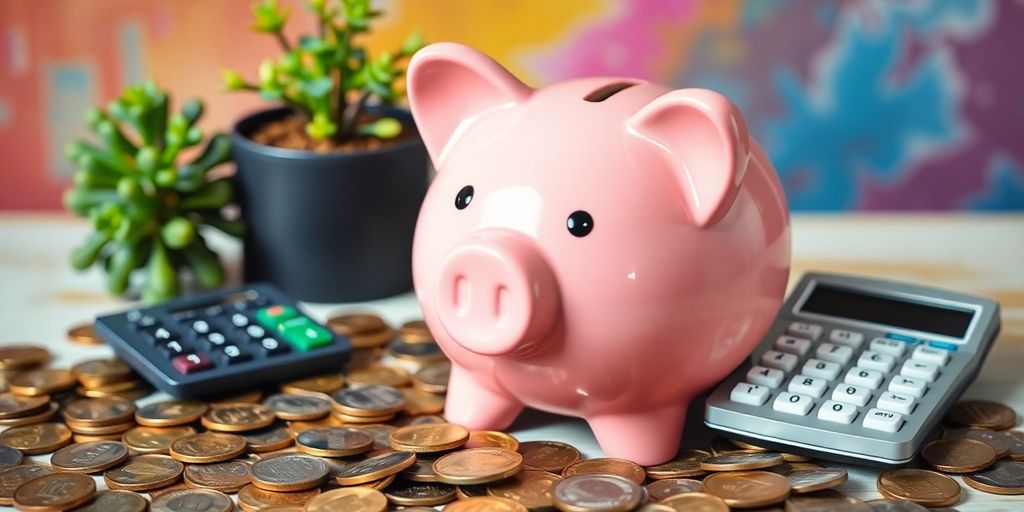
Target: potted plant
column 330, row 182
column 146, row 207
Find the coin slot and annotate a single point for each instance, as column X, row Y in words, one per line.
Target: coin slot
column 607, row 91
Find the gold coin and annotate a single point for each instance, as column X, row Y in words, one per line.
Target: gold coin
column 20, row 357
column 345, row 419
column 143, row 473
column 115, row 501
column 39, row 417
column 99, row 430
column 548, row 455
column 609, row 466
column 419, row 402
column 84, row 334
column 89, row 457
column 958, row 455
column 303, row 407
column 327, row 383
column 155, row 439
column 378, row 375
column 416, row 330
column 229, row 476
column 464, row 492
column 661, row 489
column 982, row 414
column 207, row 447
column 491, row 439
column 87, row 438
column 252, row 499
column 17, row 406
column 810, row 480
column 424, row 351
column 13, row 477
column 743, row 445
column 154, row 493
column 686, row 464
column 696, row 502
column 267, row 439
column 192, row 500
column 368, row 401
column 41, row 382
column 581, row 493
column 430, row 419
column 741, row 461
column 373, row 339
column 485, row 504
column 921, row 486
column 37, row 438
column 237, row 417
column 247, row 397
column 1000, row 442
column 57, row 491
column 128, row 390
column 477, row 466
column 830, row 500
column 656, row 507
column 298, row 426
column 379, row 485
column 375, row 468
column 170, row 413
column 1005, row 477
column 428, row 438
column 349, row 499
column 99, row 372
column 419, row 493
column 355, row 323
column 334, row 441
column 99, row 411
column 289, row 473
column 433, row 378
column 531, row 488
column 748, row 489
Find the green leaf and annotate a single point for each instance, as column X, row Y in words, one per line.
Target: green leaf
column 178, row 233
column 232, row 80
column 214, row 194
column 161, row 278
column 166, row 177
column 205, row 264
column 192, row 110
column 83, row 200
column 120, row 265
column 269, row 17
column 321, row 127
column 233, row 227
column 129, row 188
column 83, row 256
column 412, row 43
column 148, row 158
column 383, row 128
column 318, row 88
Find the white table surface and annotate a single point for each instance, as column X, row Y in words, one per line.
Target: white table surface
column 41, row 296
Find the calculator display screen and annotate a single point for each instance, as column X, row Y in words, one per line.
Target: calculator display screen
column 856, row 305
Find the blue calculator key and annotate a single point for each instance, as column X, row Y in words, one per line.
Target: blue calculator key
column 943, row 345
column 901, row 337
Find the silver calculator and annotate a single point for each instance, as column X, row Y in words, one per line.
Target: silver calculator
column 856, row 369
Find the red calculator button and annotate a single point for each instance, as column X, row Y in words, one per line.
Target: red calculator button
column 191, row 363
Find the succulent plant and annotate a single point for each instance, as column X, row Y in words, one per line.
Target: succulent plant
column 327, row 78
column 146, row 206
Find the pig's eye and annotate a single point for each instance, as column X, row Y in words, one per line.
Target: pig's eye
column 580, row 223
column 464, row 198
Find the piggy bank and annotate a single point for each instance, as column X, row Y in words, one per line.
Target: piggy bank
column 606, row 248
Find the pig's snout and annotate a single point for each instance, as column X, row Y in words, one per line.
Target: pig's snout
column 496, row 294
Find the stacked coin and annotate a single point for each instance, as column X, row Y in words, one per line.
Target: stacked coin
column 106, row 378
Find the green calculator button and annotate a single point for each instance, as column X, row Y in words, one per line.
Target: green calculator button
column 304, row 334
column 272, row 316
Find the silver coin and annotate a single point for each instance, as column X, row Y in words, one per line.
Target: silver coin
column 597, row 492
column 369, row 398
column 809, row 480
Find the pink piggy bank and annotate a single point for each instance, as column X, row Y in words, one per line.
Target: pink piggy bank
column 606, row 248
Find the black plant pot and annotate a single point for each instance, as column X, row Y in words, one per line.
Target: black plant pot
column 329, row 227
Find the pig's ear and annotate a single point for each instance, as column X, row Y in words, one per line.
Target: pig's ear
column 449, row 84
column 700, row 138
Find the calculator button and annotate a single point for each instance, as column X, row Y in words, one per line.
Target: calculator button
column 805, row 385
column 876, row 361
column 145, row 322
column 255, row 331
column 750, row 394
column 864, row 377
column 305, row 335
column 908, row 385
column 239, row 320
column 930, row 355
column 896, row 402
column 161, row 334
column 837, row 412
column 804, row 330
column 943, row 345
column 836, row 353
column 821, row 369
column 172, row 348
column 851, row 394
column 273, row 316
column 201, row 326
column 779, row 360
column 234, row 355
column 920, row 370
column 133, row 316
column 191, row 363
column 762, row 376
column 273, row 347
column 792, row 403
column 887, row 346
column 216, row 340
column 886, row 421
column 216, row 310
column 844, row 337
column 798, row 346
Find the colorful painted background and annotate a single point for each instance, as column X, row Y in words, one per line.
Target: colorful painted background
column 861, row 104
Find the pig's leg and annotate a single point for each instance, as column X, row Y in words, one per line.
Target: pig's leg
column 475, row 407
column 645, row 437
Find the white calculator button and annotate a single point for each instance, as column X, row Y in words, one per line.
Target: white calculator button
column 887, row 346
column 837, row 412
column 851, row 394
column 896, row 402
column 920, row 370
column 822, row 369
column 876, row 361
column 804, row 330
column 779, row 360
column 886, row 421
column 844, row 337
column 931, row 355
column 798, row 346
column 864, row 377
column 792, row 403
column 836, row 353
column 762, row 376
column 805, row 385
column 750, row 394
column 908, row 386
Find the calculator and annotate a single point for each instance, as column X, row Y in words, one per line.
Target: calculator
column 856, row 369
column 222, row 341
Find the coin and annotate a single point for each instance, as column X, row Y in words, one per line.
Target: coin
column 381, row 434
column 46, row 381
column 170, row 413
column 432, row 378
column 143, row 473
column 349, row 499
column 20, row 357
column 686, row 464
column 99, row 430
column 13, row 477
column 83, row 334
column 958, row 455
column 416, row 330
column 375, row 468
column 609, row 466
column 423, row 351
column 656, row 507
column 419, row 493
column 581, row 493
column 36, row 439
column 239, row 417
column 98, row 372
column 39, row 417
column 192, row 500
column 484, row 504
column 825, row 501
column 531, row 488
column 252, row 498
column 696, row 502
column 368, row 401
column 362, row 420
column 921, row 486
column 429, row 438
column 154, row 439
column 115, row 501
column 477, row 466
column 463, row 492
column 741, row 461
column 334, row 441
column 99, row 411
column 57, row 491
column 89, row 457
column 748, row 489
column 10, row 456
column 128, row 390
column 421, row 471
column 16, row 406
column 207, row 447
column 983, row 414
column 661, row 489
column 895, row 506
column 327, row 383
column 355, row 323
column 1000, row 442
column 1004, row 477
column 298, row 407
column 1016, row 438
column 373, row 339
column 289, row 473
column 300, row 426
column 419, row 402
column 491, row 439
column 274, row 437
column 379, row 375
column 548, row 455
column 810, row 480
column 229, row 476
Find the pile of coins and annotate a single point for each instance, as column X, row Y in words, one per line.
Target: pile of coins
column 370, row 438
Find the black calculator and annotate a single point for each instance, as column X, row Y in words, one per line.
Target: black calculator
column 223, row 341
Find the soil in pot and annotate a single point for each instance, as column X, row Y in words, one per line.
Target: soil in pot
column 290, row 133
